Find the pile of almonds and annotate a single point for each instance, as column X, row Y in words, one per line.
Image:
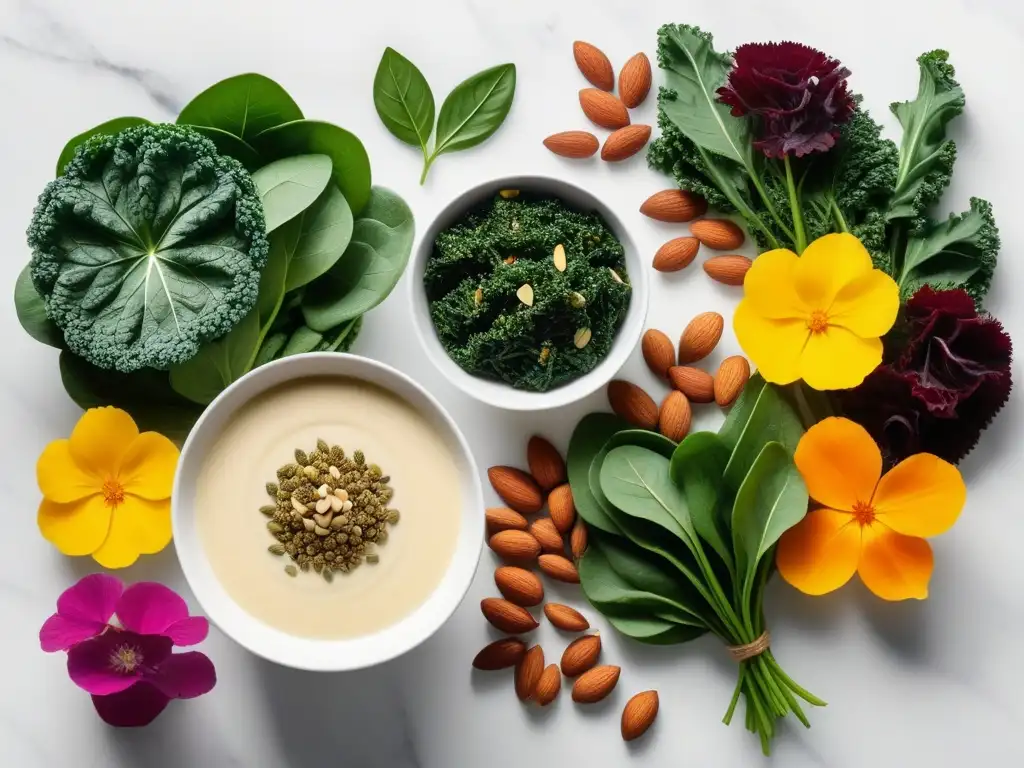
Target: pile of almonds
column 543, row 542
column 605, row 109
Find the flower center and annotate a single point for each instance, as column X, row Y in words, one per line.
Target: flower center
column 125, row 659
column 818, row 321
column 863, row 513
column 113, row 492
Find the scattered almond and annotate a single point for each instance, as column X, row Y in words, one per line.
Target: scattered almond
column 519, row 586
column 729, row 270
column 675, row 416
column 581, row 654
column 594, row 684
column 676, row 254
column 559, row 257
column 500, row 654
column 697, row 385
column 578, row 538
column 562, row 508
column 638, row 715
column 559, row 568
column 581, row 338
column 544, row 531
column 573, row 144
column 566, row 617
column 514, row 545
column 659, row 352
column 545, row 463
column 525, row 294
column 516, row 488
column 548, row 686
column 674, row 205
column 506, row 616
column 635, row 80
column 720, row 234
column 699, row 338
column 603, row 109
column 632, row 404
column 504, row 519
column 731, row 378
column 528, row 672
column 625, row 142
column 594, row 65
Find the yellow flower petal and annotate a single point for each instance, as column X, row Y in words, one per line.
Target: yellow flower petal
column 820, row 553
column 60, row 478
column 768, row 286
column 138, row 527
column 867, row 306
column 77, row 528
column 839, row 462
column 100, row 438
column 773, row 346
column 838, row 359
column 828, row 264
column 921, row 496
column 147, row 467
column 894, row 566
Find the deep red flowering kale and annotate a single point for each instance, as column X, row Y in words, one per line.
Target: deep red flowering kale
column 796, row 94
column 943, row 387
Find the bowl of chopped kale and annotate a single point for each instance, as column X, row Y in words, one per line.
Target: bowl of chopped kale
column 528, row 293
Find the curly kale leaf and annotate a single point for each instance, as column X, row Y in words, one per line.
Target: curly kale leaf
column 149, row 245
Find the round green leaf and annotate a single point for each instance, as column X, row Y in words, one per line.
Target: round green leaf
column 288, row 187
column 588, row 438
column 32, row 312
column 111, row 126
column 218, row 363
column 243, row 106
column 232, row 146
column 315, row 239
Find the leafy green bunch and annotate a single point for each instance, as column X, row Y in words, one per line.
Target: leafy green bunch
column 169, row 260
column 866, row 185
column 683, row 536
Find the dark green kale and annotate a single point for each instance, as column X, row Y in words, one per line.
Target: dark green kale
column 480, row 263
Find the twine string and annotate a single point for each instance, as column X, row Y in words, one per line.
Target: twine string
column 750, row 650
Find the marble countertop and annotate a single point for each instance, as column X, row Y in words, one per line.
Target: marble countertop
column 934, row 683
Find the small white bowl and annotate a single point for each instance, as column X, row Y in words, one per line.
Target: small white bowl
column 497, row 393
column 310, row 653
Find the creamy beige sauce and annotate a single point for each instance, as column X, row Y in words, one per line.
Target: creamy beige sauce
column 261, row 437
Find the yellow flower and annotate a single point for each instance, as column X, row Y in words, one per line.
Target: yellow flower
column 107, row 490
column 817, row 317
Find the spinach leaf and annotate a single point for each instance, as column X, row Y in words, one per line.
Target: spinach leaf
column 32, row 312
column 652, row 441
column 636, row 481
column 404, row 100
column 315, row 239
column 369, row 269
column 654, row 631
column 342, row 338
column 288, row 187
column 697, row 467
column 271, row 348
column 303, row 339
column 232, row 146
column 116, row 125
column 648, row 571
column 738, row 416
column 588, row 438
column 770, row 418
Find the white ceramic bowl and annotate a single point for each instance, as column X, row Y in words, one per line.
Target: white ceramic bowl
column 497, row 393
column 316, row 654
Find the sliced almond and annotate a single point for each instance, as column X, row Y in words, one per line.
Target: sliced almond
column 581, row 338
column 478, row 297
column 615, row 275
column 560, row 257
column 508, row 194
column 525, row 294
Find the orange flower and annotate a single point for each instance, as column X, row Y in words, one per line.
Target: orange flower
column 870, row 524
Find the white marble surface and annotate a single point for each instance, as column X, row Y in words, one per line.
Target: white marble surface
column 923, row 684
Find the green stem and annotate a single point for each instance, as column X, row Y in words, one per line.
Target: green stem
column 771, row 208
column 765, row 729
column 428, row 160
column 264, row 330
column 810, row 698
column 840, row 219
column 735, row 695
column 794, row 207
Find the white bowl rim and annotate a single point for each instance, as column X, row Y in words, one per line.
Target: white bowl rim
column 496, row 393
column 315, row 654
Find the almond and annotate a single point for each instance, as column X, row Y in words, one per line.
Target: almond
column 594, row 684
column 659, row 352
column 676, row 254
column 720, row 234
column 594, row 65
column 727, row 269
column 504, row 519
column 500, row 654
column 548, row 686
column 581, row 654
column 547, row 535
column 528, row 672
column 638, row 715
column 545, row 462
column 699, row 338
column 514, row 545
column 697, row 385
column 574, row 144
column 731, row 378
column 578, row 538
column 625, row 142
column 674, row 205
column 565, row 617
column 506, row 616
column 635, row 80
column 632, row 404
column 559, row 568
column 674, row 420
column 603, row 109
column 519, row 585
column 516, row 488
column 562, row 508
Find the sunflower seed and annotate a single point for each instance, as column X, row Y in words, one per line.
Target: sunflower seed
column 291, row 570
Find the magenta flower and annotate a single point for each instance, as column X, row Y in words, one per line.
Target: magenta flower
column 129, row 668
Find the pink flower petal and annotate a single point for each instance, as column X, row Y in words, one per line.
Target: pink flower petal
column 59, row 633
column 149, row 608
column 185, row 675
column 115, row 660
column 188, row 631
column 92, row 599
column 131, row 708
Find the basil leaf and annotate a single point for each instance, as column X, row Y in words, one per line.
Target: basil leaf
column 475, row 109
column 288, row 187
column 243, row 106
column 697, row 467
column 32, row 312
column 403, row 99
column 116, row 125
column 314, row 240
column 588, row 438
column 768, row 418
